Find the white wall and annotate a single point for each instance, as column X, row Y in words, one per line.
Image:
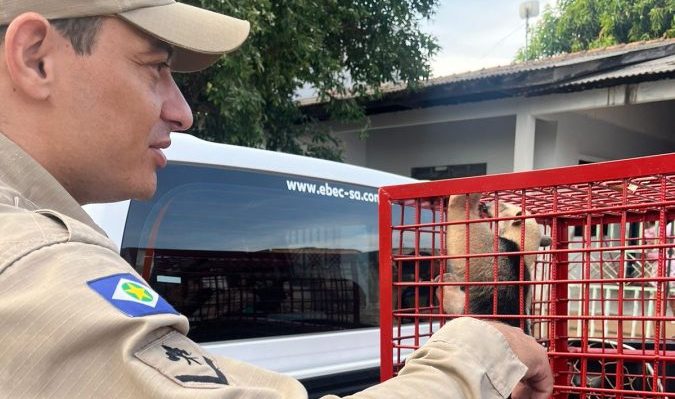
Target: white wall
column 545, row 144
column 654, row 119
column 561, row 139
column 579, row 136
column 398, row 150
column 354, row 147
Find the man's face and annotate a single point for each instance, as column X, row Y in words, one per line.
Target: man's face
column 114, row 110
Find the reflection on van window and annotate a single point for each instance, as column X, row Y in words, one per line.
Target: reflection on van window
column 246, row 254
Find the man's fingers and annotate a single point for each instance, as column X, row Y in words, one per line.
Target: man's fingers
column 521, row 391
column 540, row 389
column 538, row 380
column 533, row 388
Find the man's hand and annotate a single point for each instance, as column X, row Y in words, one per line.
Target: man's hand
column 538, row 381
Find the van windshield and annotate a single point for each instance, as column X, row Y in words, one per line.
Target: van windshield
column 247, row 254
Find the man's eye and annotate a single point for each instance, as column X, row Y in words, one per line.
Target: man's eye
column 161, row 66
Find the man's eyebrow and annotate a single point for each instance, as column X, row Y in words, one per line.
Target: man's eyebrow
column 158, row 46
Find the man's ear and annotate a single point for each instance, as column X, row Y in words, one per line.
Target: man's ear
column 27, row 51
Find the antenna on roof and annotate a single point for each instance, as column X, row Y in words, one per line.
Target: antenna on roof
column 528, row 9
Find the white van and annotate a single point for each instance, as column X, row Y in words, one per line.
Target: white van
column 272, row 257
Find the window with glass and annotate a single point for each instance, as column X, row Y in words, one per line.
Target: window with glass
column 246, row 254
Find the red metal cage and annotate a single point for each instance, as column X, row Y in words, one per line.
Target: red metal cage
column 600, row 297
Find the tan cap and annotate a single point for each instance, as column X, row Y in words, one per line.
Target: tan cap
column 199, row 37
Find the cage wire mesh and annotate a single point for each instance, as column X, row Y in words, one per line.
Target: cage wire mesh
column 599, row 295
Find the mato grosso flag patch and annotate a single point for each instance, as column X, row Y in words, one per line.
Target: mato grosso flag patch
column 130, row 295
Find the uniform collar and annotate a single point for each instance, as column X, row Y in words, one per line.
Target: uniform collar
column 36, row 185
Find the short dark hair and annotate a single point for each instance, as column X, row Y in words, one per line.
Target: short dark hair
column 80, row 31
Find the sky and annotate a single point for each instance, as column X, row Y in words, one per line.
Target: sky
column 473, row 34
column 476, row 34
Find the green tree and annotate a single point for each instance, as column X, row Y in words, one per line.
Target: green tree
column 575, row 25
column 344, row 49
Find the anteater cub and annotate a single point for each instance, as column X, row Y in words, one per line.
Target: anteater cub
column 481, row 240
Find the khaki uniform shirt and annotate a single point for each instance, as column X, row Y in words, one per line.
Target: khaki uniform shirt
column 64, row 335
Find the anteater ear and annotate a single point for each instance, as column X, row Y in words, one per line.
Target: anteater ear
column 545, row 241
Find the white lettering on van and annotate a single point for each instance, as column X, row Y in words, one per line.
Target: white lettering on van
column 328, row 190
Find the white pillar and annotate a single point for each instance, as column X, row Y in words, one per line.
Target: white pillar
column 523, row 148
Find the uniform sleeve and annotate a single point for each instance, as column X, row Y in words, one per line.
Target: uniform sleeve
column 466, row 359
column 77, row 322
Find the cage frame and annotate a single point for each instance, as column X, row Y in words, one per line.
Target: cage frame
column 569, row 175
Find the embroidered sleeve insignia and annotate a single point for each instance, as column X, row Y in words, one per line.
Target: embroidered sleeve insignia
column 130, row 296
column 183, row 362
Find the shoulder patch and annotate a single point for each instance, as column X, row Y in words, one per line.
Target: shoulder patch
column 183, row 362
column 130, row 296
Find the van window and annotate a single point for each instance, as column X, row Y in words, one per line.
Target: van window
column 247, row 254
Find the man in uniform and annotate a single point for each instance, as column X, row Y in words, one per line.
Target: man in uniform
column 87, row 104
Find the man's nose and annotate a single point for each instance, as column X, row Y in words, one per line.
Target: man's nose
column 175, row 110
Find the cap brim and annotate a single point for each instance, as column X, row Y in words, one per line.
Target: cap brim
column 199, row 37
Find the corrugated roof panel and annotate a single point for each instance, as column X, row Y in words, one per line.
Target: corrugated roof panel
column 655, row 57
column 653, row 67
column 551, row 62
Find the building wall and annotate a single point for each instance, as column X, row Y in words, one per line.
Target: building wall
column 545, row 144
column 561, row 139
column 398, row 150
column 655, row 119
column 354, row 147
column 580, row 137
